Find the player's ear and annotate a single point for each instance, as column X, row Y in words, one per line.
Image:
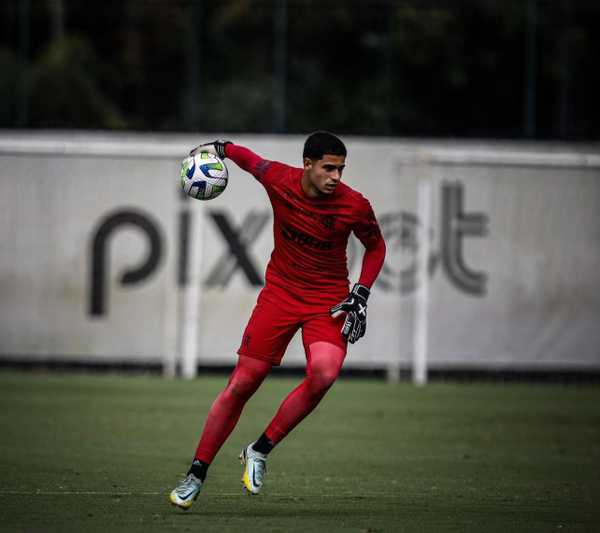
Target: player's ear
column 308, row 163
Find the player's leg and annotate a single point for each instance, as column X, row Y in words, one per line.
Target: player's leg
column 220, row 421
column 227, row 407
column 264, row 341
column 323, row 367
column 324, row 361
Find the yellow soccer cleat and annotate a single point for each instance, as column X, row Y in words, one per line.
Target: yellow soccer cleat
column 255, row 469
column 184, row 494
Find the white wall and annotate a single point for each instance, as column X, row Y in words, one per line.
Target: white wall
column 539, row 305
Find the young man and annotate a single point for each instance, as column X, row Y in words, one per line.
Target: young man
column 306, row 287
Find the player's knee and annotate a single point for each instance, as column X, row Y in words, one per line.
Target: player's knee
column 324, row 365
column 323, row 379
column 241, row 388
column 329, row 377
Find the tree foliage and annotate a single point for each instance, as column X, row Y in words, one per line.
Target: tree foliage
column 383, row 67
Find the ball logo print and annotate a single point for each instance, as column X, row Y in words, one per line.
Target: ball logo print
column 203, row 176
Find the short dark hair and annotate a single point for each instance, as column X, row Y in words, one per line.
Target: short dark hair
column 320, row 143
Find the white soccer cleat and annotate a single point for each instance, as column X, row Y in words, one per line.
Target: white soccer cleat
column 184, row 494
column 255, row 470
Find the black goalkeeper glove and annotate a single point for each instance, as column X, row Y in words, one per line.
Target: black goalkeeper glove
column 216, row 147
column 355, row 307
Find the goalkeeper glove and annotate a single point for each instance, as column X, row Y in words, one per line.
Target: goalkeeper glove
column 216, row 147
column 355, row 307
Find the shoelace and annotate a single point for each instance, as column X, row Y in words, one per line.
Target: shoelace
column 189, row 483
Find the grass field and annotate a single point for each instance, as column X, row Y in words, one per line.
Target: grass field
column 100, row 453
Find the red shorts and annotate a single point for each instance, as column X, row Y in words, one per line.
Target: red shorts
column 276, row 318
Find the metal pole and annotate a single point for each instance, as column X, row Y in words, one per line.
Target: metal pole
column 57, row 19
column 192, row 296
column 529, row 105
column 280, row 68
column 22, row 98
column 192, row 99
column 419, row 371
column 564, row 78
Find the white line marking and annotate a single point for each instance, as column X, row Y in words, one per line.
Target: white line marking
column 220, row 494
column 75, row 493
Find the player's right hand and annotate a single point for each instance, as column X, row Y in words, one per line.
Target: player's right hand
column 355, row 307
column 216, row 147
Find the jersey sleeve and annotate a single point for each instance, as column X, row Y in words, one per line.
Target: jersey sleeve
column 366, row 227
column 368, row 232
column 263, row 170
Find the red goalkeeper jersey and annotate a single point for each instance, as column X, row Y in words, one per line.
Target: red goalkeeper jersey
column 311, row 234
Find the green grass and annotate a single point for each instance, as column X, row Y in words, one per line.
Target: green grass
column 100, row 453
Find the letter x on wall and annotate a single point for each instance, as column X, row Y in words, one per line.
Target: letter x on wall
column 238, row 241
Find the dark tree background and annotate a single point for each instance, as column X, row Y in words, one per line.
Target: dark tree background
column 479, row 68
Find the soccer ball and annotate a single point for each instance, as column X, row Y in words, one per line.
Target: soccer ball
column 203, row 176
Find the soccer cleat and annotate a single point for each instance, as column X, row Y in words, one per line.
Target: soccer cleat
column 255, row 470
column 184, row 494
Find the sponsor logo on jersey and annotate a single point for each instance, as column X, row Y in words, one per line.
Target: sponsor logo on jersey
column 304, row 239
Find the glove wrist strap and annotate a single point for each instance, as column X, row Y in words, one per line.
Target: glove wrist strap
column 361, row 291
column 221, row 145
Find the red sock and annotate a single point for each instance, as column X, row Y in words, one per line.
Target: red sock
column 227, row 408
column 323, row 367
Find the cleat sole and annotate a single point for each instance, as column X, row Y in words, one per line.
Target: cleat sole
column 183, row 505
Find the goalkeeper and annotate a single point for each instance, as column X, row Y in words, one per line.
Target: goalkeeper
column 306, row 288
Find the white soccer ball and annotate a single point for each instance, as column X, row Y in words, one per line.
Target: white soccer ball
column 203, row 176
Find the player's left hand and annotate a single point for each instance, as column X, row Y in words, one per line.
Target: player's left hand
column 355, row 307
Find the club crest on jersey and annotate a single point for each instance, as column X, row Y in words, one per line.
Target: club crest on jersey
column 328, row 222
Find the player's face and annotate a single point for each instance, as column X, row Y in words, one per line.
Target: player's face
column 324, row 175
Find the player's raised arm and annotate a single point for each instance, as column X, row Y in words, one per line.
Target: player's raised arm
column 243, row 157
